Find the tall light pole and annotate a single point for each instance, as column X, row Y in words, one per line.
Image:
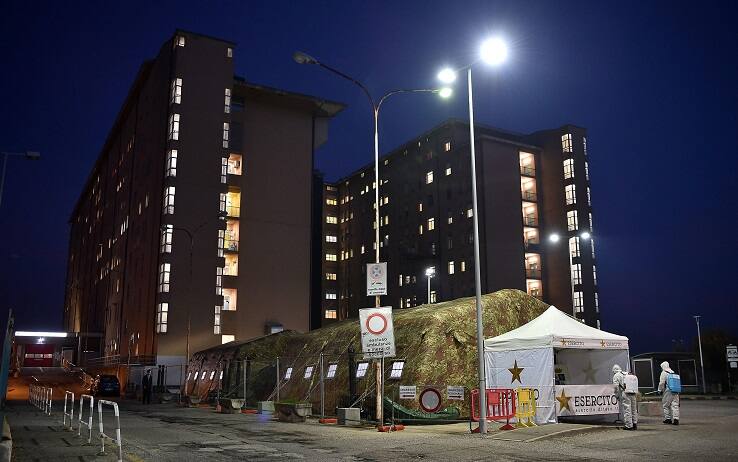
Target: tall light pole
column 702, row 364
column 493, row 51
column 303, row 58
column 556, row 238
column 430, row 272
column 30, row 155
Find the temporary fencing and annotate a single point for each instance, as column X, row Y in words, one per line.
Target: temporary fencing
column 81, row 422
column 69, row 414
column 525, row 411
column 117, row 438
column 501, row 405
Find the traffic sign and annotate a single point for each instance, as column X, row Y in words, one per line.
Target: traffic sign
column 430, row 400
column 731, row 352
column 377, row 332
column 376, row 279
column 456, row 393
column 408, row 391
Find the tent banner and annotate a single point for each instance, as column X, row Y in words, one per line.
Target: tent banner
column 531, row 368
column 590, row 343
column 573, row 400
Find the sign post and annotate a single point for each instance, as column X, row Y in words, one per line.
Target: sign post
column 378, row 342
column 731, row 354
column 376, row 279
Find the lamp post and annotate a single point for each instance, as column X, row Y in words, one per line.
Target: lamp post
column 702, row 364
column 303, row 58
column 30, row 155
column 430, row 272
column 556, row 238
column 493, row 52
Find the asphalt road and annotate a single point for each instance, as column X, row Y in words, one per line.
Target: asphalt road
column 169, row 433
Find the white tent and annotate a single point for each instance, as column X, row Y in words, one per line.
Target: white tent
column 556, row 349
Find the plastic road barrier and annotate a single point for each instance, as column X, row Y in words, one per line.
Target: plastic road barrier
column 500, row 405
column 69, row 414
column 117, row 440
column 88, row 424
column 525, row 411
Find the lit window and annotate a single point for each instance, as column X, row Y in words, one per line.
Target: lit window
column 230, row 299
column 586, row 170
column 594, row 274
column 167, row 233
column 180, row 41
column 397, row 368
column 451, row 267
column 331, row 219
column 429, row 177
column 175, row 95
column 330, row 314
column 329, row 238
column 431, row 224
column 330, row 276
column 330, row 257
column 584, row 143
column 219, row 282
column 162, row 311
column 566, row 145
column 229, row 52
column 330, row 296
column 165, row 270
column 363, row 249
column 574, row 246
column 420, row 229
column 308, row 372
column 570, row 191
column 223, row 202
column 331, row 202
column 572, row 223
column 216, row 320
column 221, row 242
column 288, row 373
column 171, row 166
column 447, row 146
column 568, row 168
column 450, row 218
column 433, row 296
column 361, row 369
column 463, row 266
column 386, row 220
column 592, row 246
column 420, row 206
column 226, row 133
column 597, row 302
column 227, row 107
column 469, row 212
column 448, row 170
column 576, row 273
column 174, row 126
column 590, row 222
column 331, row 373
column 578, row 302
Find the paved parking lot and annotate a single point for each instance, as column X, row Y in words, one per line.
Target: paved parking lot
column 170, row 433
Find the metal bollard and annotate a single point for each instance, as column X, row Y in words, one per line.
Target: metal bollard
column 89, row 419
column 117, row 438
column 69, row 414
column 48, row 401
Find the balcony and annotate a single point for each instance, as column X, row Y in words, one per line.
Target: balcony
column 533, row 273
column 530, row 220
column 234, row 164
column 231, row 245
column 530, row 195
column 233, row 211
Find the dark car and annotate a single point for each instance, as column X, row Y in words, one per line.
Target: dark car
column 106, row 385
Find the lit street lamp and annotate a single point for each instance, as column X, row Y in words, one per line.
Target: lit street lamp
column 30, row 155
column 303, row 58
column 430, row 272
column 492, row 52
column 556, row 238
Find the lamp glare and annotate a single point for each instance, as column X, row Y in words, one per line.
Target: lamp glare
column 493, row 51
column 445, row 92
column 447, row 75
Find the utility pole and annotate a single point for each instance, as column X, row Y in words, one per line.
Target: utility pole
column 702, row 363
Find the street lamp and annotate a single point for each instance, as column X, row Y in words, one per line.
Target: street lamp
column 303, row 58
column 555, row 238
column 30, row 155
column 702, row 364
column 493, row 52
column 430, row 272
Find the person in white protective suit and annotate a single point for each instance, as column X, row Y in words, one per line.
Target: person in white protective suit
column 626, row 398
column 669, row 400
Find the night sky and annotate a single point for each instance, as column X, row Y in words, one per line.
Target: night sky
column 655, row 83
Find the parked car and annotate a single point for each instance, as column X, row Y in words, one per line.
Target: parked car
column 106, row 385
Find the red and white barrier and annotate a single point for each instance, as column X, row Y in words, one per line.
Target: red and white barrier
column 69, row 414
column 81, row 421
column 117, row 438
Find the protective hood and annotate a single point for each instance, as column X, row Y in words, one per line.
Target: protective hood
column 616, row 369
column 665, row 367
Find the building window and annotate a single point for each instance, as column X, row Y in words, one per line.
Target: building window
column 221, row 242
column 331, row 314
column 584, row 144
column 570, row 191
column 576, row 273
column 568, row 168
column 594, row 274
column 171, row 166
column 431, row 224
column 330, row 296
column 590, row 222
column 420, row 206
column 586, row 171
column 572, row 223
column 574, row 246
column 592, row 246
column 167, row 233
column 330, row 257
column 227, row 107
column 174, row 126
column 420, row 229
column 463, row 266
column 162, row 310
column 589, row 197
column 469, row 212
column 223, row 202
column 329, row 238
column 165, row 271
column 218, row 281
column 179, row 41
column 578, row 302
column 429, row 177
column 433, row 297
column 451, row 267
column 447, row 146
column 229, row 52
column 169, row 200
column 231, row 265
column 216, row 320
column 386, row 220
column 230, row 297
column 331, row 220
column 330, row 276
column 566, row 145
column 331, row 201
column 448, row 170
column 175, row 96
column 224, row 170
column 597, row 302
column 226, row 133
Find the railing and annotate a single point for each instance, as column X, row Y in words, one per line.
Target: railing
column 534, row 273
column 529, row 196
column 527, row 171
column 233, row 211
column 530, row 220
column 231, row 245
column 118, row 360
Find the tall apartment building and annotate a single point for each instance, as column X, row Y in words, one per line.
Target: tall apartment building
column 530, row 187
column 195, row 222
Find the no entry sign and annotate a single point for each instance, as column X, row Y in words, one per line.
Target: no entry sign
column 430, row 400
column 377, row 332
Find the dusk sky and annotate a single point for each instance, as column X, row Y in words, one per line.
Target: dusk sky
column 655, row 84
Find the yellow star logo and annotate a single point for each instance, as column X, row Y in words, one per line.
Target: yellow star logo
column 563, row 341
column 563, row 401
column 602, row 342
column 516, row 371
column 589, row 373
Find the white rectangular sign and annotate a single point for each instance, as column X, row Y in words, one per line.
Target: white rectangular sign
column 456, row 393
column 376, row 279
column 586, row 400
column 408, row 391
column 732, row 354
column 377, row 332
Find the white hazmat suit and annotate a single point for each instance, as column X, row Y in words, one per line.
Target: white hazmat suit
column 669, row 400
column 628, row 400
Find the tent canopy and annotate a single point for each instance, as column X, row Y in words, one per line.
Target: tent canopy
column 556, row 329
